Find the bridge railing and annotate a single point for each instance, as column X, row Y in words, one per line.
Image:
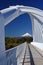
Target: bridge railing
column 13, row 56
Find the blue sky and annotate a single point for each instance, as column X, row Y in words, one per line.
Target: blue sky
column 22, row 24
column 33, row 3
column 19, row 26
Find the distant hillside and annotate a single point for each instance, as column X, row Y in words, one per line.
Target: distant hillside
column 12, row 42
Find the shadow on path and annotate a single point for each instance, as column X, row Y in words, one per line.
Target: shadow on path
column 31, row 57
column 24, row 57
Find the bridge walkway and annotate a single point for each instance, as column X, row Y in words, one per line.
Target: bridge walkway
column 32, row 56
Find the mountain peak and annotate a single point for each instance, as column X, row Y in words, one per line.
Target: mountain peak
column 26, row 35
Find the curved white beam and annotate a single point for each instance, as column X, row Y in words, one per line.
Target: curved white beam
column 18, row 13
column 32, row 10
column 20, row 10
column 8, row 9
column 24, row 9
column 12, row 17
column 38, row 17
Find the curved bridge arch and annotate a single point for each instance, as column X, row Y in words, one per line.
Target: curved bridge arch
column 36, row 16
column 21, row 10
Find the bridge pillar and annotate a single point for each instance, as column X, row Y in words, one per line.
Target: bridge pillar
column 2, row 34
column 36, row 29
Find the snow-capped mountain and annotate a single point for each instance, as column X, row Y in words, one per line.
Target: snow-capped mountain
column 26, row 35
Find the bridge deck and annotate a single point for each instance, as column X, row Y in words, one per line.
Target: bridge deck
column 32, row 56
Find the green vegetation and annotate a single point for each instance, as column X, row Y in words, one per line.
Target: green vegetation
column 12, row 42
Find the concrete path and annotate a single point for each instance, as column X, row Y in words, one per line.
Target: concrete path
column 32, row 56
column 27, row 57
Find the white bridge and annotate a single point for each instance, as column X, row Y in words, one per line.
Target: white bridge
column 36, row 16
